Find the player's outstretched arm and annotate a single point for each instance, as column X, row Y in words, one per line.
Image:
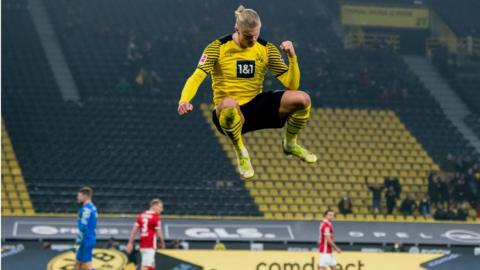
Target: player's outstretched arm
column 131, row 240
column 289, row 75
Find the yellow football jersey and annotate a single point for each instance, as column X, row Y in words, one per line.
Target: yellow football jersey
column 239, row 72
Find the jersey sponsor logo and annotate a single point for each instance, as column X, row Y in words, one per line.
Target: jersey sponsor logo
column 203, row 59
column 245, row 68
column 102, row 259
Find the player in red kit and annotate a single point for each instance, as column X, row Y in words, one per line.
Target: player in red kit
column 149, row 225
column 326, row 243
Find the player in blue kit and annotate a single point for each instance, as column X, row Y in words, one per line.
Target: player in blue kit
column 87, row 223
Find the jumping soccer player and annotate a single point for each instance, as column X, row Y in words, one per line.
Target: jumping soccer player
column 150, row 227
column 238, row 63
column 87, row 223
column 326, row 243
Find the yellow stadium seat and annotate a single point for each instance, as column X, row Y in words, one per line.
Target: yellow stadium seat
column 259, row 200
column 309, row 200
column 268, row 215
column 5, row 203
column 13, row 195
column 289, row 200
column 7, row 179
column 263, row 192
column 308, row 216
column 15, row 204
column 274, row 192
column 298, row 215
column 304, row 208
column 273, row 208
column 263, row 207
column 283, row 208
column 299, row 200
column 410, row 218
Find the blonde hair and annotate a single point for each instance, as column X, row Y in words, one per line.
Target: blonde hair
column 155, row 201
column 246, row 18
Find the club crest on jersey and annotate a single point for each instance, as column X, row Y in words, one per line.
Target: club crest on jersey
column 203, row 59
column 259, row 58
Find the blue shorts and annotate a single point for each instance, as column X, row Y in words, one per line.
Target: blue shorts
column 85, row 253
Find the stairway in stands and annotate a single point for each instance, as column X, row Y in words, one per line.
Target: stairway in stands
column 453, row 106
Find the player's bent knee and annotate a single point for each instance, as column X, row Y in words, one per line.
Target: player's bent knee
column 298, row 100
column 228, row 103
column 305, row 99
